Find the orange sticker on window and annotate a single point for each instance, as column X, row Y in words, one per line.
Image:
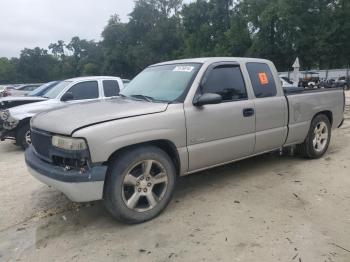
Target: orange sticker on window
column 263, row 79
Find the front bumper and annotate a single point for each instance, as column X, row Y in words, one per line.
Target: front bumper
column 78, row 186
column 6, row 133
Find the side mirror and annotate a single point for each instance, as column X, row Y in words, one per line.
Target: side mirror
column 67, row 97
column 208, row 99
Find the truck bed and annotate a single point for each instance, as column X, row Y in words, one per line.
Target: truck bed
column 304, row 104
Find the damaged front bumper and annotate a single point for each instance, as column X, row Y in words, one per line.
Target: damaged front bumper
column 6, row 133
column 77, row 185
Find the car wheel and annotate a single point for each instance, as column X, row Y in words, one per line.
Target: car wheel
column 23, row 138
column 139, row 184
column 318, row 138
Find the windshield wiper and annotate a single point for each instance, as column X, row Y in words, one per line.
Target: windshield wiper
column 143, row 97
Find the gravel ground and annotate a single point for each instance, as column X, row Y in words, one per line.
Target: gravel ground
column 268, row 208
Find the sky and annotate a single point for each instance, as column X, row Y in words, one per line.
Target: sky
column 31, row 23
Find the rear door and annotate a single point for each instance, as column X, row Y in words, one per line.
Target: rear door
column 222, row 132
column 270, row 106
column 111, row 88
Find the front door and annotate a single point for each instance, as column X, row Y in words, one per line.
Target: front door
column 222, row 132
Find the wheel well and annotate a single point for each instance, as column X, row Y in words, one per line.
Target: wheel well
column 328, row 114
column 24, row 122
column 166, row 145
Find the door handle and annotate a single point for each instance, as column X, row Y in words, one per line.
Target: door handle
column 247, row 112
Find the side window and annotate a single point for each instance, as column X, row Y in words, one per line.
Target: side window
column 262, row 80
column 84, row 90
column 110, row 88
column 227, row 81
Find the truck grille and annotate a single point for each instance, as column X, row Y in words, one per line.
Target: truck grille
column 41, row 142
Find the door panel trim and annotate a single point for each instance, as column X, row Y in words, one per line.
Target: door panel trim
column 219, row 151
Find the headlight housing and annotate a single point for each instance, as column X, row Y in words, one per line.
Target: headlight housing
column 9, row 121
column 4, row 114
column 69, row 143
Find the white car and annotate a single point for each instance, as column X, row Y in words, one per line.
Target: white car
column 23, row 90
column 287, row 83
column 15, row 122
column 2, row 88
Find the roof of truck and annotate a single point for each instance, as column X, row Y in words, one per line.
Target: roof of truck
column 203, row 60
column 91, row 78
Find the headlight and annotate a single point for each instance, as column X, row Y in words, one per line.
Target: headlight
column 69, row 143
column 4, row 115
column 10, row 123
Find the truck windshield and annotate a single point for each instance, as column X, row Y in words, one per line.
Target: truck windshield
column 164, row 83
column 54, row 92
column 42, row 90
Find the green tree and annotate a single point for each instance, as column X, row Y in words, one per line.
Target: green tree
column 7, row 70
column 34, row 65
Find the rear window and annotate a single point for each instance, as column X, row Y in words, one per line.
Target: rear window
column 110, row 88
column 262, row 80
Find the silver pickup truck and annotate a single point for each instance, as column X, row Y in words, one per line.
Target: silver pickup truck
column 174, row 119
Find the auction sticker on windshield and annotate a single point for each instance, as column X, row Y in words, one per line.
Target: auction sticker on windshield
column 187, row 69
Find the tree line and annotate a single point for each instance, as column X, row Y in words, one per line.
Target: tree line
column 317, row 31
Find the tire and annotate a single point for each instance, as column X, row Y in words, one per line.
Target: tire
column 128, row 179
column 318, row 138
column 23, row 136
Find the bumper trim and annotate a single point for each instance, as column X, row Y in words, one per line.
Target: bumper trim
column 341, row 123
column 77, row 186
column 76, row 192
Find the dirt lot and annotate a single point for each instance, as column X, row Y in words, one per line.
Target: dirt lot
column 269, row 208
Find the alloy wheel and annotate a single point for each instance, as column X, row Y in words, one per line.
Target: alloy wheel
column 320, row 137
column 144, row 185
column 28, row 138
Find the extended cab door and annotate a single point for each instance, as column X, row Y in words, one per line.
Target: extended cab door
column 111, row 87
column 219, row 133
column 270, row 106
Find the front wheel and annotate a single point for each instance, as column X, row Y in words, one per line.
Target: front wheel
column 139, row 184
column 318, row 138
column 23, row 138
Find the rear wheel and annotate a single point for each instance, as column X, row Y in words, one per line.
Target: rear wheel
column 139, row 184
column 318, row 138
column 23, row 138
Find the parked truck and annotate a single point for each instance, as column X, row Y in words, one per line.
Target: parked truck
column 14, row 121
column 176, row 118
column 34, row 96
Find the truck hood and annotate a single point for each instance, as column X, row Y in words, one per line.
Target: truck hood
column 75, row 116
column 11, row 101
column 29, row 110
column 22, row 98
